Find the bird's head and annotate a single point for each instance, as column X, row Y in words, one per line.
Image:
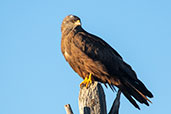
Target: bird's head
column 70, row 22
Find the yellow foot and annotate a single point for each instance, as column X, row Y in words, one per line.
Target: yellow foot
column 86, row 81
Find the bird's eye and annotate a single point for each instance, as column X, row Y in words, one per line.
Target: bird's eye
column 73, row 21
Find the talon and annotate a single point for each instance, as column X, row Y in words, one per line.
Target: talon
column 86, row 81
column 83, row 82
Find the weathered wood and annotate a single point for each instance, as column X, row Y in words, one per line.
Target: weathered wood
column 92, row 100
column 68, row 109
column 115, row 107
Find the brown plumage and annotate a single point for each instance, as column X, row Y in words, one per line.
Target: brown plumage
column 89, row 54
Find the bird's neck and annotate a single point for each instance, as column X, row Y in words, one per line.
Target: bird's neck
column 73, row 30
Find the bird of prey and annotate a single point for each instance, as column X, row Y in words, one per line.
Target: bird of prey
column 95, row 60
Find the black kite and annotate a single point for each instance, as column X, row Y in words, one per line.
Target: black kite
column 95, row 60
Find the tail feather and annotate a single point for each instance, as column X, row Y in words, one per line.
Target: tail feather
column 137, row 90
column 138, row 95
column 141, row 87
column 142, row 94
column 128, row 96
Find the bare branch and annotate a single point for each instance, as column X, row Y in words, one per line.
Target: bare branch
column 68, row 109
column 116, row 104
column 92, row 99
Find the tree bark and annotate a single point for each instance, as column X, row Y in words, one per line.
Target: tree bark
column 115, row 107
column 68, row 109
column 92, row 99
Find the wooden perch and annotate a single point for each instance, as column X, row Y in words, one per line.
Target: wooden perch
column 68, row 109
column 115, row 107
column 92, row 101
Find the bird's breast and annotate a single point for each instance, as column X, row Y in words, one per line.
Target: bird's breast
column 66, row 55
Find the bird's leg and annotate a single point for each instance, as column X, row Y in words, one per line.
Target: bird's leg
column 89, row 80
column 83, row 82
column 86, row 81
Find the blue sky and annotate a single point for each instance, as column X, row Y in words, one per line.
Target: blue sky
column 35, row 78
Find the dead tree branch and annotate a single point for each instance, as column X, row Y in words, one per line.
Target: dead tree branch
column 92, row 101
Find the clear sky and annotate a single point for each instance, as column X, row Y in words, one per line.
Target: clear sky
column 36, row 79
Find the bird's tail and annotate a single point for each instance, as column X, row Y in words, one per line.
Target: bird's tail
column 136, row 89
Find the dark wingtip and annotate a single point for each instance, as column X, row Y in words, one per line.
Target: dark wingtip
column 131, row 99
column 150, row 95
